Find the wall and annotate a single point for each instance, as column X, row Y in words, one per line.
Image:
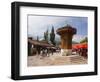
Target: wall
column 5, row 40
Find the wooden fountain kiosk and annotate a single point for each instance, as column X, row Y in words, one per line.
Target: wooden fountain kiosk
column 66, row 33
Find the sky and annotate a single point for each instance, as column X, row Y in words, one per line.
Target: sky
column 38, row 24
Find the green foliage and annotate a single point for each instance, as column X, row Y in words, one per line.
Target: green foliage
column 37, row 38
column 46, row 36
column 52, row 36
column 84, row 40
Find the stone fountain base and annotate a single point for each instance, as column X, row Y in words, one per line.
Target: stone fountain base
column 66, row 52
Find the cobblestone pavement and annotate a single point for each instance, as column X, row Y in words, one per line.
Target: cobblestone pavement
column 55, row 59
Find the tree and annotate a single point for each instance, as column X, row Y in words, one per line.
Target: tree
column 52, row 36
column 84, row 40
column 37, row 38
column 46, row 36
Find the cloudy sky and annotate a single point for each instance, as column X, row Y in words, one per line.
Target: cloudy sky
column 38, row 24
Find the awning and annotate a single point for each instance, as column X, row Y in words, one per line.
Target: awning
column 82, row 45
